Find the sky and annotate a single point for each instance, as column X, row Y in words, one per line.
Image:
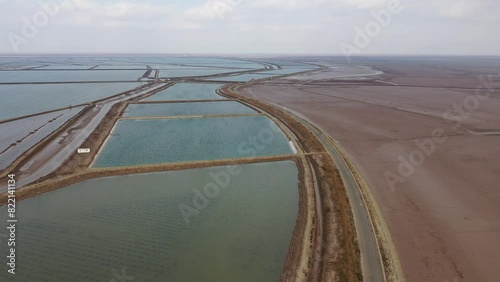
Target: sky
column 316, row 27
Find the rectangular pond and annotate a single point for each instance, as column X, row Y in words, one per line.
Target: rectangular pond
column 188, row 91
column 194, row 72
column 65, row 67
column 86, row 62
column 170, row 226
column 20, row 135
column 187, row 109
column 139, row 142
column 70, row 75
column 24, row 99
column 200, row 62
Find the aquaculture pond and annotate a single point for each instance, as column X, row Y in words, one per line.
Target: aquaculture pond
column 172, row 73
column 70, row 75
column 188, row 91
column 86, row 62
column 24, row 99
column 170, row 226
column 139, row 142
column 20, row 135
column 187, row 109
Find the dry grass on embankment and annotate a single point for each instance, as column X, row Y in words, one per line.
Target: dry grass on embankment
column 340, row 259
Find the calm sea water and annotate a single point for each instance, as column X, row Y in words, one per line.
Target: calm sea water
column 101, row 229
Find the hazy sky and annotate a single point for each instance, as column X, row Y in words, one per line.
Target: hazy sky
column 249, row 26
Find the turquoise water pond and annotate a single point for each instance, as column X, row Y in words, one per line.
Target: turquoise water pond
column 188, row 91
column 20, row 100
column 187, row 109
column 73, row 75
column 139, row 142
column 136, row 226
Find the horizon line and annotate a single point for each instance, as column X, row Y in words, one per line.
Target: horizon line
column 240, row 54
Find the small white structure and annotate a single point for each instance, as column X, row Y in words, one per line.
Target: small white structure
column 83, row 150
column 292, row 146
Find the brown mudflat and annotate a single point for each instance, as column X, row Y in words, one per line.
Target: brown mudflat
column 444, row 216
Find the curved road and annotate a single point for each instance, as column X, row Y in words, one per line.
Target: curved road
column 371, row 262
